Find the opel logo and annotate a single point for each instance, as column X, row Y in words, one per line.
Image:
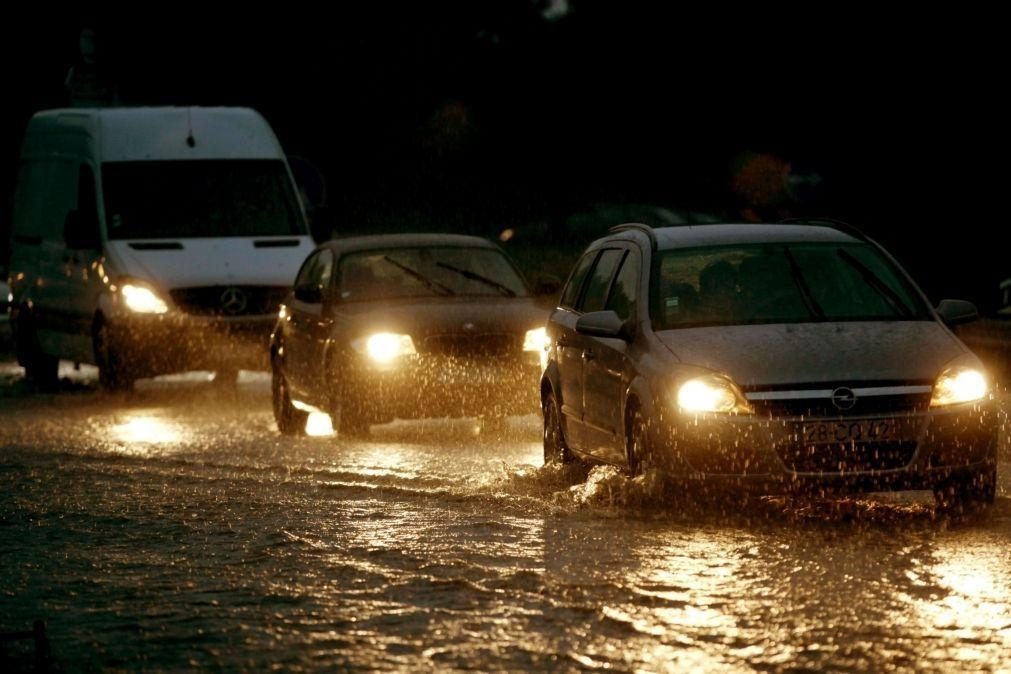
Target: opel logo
column 469, row 326
column 844, row 398
column 233, row 301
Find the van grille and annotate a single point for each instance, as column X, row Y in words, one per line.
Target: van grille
column 229, row 300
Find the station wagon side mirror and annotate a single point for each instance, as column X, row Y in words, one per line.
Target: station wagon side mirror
column 602, row 324
column 81, row 232
column 546, row 284
column 310, row 293
column 956, row 312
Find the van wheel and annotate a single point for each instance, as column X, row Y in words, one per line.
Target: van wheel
column 41, row 369
column 113, row 373
column 290, row 420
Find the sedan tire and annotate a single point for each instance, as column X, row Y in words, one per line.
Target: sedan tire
column 290, row 420
column 555, row 449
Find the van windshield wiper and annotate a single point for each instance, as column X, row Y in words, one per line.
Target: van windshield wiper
column 880, row 286
column 434, row 286
column 474, row 276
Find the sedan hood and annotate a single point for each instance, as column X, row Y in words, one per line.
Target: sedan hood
column 464, row 315
column 765, row 355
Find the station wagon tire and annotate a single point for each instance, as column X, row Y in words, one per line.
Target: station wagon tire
column 290, row 420
column 638, row 447
column 967, row 493
column 555, row 449
column 41, row 369
column 348, row 420
column 113, row 372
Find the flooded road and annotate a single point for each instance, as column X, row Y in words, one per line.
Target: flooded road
column 173, row 528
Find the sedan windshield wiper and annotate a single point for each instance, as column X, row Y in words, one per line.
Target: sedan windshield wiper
column 434, row 286
column 805, row 290
column 880, row 286
column 474, row 276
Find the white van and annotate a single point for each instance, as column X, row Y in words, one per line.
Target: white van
column 151, row 240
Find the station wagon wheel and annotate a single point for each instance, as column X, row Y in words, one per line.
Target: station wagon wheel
column 555, row 449
column 638, row 447
column 290, row 421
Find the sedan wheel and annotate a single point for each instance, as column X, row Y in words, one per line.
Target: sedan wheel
column 638, row 449
column 555, row 449
column 290, row 421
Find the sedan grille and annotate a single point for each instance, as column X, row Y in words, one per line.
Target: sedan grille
column 229, row 300
column 847, row 457
column 472, row 346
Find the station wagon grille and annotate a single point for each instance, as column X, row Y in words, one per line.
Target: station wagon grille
column 229, row 300
column 466, row 346
column 847, row 458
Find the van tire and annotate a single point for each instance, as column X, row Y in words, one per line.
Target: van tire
column 41, row 369
column 113, row 373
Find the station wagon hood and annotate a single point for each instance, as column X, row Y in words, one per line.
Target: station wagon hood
column 476, row 315
column 187, row 263
column 757, row 355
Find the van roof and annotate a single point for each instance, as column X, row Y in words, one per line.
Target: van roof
column 155, row 133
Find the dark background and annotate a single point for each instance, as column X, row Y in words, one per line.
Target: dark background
column 483, row 116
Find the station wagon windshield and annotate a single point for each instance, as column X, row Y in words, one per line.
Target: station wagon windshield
column 207, row 198
column 781, row 283
column 427, row 271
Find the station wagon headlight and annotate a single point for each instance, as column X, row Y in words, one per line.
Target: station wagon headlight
column 711, row 393
column 383, row 347
column 535, row 340
column 142, row 299
column 959, row 385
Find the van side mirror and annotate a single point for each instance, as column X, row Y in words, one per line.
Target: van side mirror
column 310, row 293
column 956, row 312
column 602, row 324
column 546, row 284
column 81, row 232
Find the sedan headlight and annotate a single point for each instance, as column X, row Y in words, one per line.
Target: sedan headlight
column 959, row 385
column 142, row 299
column 383, row 347
column 711, row 393
column 535, row 340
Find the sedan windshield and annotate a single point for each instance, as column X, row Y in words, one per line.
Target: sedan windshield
column 207, row 198
column 781, row 283
column 431, row 270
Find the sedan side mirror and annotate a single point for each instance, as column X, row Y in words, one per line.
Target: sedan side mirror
column 955, row 312
column 310, row 293
column 602, row 324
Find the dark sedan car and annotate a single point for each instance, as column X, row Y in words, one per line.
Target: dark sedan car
column 406, row 326
column 782, row 357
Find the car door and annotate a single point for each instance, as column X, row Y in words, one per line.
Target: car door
column 306, row 313
column 569, row 356
column 580, row 348
column 606, row 368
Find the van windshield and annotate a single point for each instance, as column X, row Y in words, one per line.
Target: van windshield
column 205, row 198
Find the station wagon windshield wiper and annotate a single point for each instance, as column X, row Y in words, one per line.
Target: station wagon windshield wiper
column 474, row 276
column 880, row 286
column 805, row 291
column 434, row 286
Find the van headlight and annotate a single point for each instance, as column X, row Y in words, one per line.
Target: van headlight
column 711, row 393
column 535, row 340
column 383, row 347
column 959, row 385
column 142, row 299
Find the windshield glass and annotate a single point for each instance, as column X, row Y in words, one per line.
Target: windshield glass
column 781, row 283
column 207, row 198
column 424, row 272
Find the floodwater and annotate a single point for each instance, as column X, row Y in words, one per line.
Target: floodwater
column 173, row 528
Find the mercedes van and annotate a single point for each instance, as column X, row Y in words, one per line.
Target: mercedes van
column 151, row 240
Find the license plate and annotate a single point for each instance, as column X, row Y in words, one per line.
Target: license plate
column 879, row 430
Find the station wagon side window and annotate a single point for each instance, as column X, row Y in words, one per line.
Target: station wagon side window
column 599, row 282
column 317, row 272
column 570, row 296
column 624, row 292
